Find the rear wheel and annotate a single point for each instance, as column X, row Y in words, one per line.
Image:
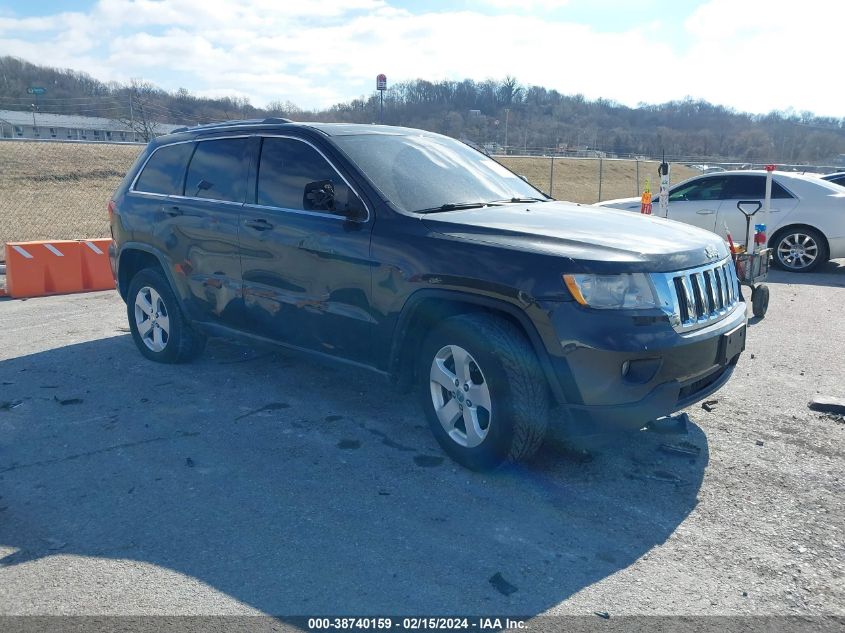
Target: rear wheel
column 158, row 327
column 484, row 393
column 800, row 249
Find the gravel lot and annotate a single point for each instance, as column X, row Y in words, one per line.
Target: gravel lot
column 255, row 481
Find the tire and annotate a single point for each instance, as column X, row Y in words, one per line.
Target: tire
column 799, row 249
column 760, row 301
column 170, row 339
column 487, row 355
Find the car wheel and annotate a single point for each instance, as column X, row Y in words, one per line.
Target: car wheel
column 800, row 250
column 760, row 300
column 158, row 327
column 484, row 393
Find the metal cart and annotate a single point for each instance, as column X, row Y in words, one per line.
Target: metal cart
column 752, row 266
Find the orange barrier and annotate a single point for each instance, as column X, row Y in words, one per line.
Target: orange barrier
column 36, row 269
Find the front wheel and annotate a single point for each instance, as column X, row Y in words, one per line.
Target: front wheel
column 484, row 393
column 160, row 330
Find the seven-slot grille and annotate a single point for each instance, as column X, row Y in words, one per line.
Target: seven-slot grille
column 705, row 294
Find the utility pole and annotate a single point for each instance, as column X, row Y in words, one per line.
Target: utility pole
column 507, row 115
column 132, row 116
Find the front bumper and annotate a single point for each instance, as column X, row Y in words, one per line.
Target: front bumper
column 624, row 371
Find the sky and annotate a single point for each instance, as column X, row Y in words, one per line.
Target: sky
column 746, row 54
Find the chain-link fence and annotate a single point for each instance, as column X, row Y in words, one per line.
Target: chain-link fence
column 590, row 180
column 59, row 190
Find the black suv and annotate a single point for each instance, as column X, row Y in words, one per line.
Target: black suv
column 415, row 256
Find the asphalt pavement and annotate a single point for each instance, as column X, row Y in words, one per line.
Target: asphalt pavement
column 255, row 481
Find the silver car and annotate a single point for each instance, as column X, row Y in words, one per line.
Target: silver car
column 806, row 224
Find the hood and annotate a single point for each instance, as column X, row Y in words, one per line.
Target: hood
column 623, row 203
column 591, row 238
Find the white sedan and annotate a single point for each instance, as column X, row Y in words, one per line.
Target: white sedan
column 806, row 223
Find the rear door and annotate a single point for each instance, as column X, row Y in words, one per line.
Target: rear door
column 200, row 229
column 306, row 267
column 697, row 202
column 751, row 188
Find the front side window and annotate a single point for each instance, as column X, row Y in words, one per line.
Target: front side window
column 704, row 189
column 294, row 175
column 164, row 172
column 218, row 170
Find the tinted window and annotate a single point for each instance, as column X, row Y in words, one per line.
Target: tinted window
column 218, row 170
column 286, row 167
column 165, row 171
column 839, row 180
column 745, row 188
column 702, row 189
column 780, row 192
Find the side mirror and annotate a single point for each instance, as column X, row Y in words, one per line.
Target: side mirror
column 319, row 196
column 355, row 210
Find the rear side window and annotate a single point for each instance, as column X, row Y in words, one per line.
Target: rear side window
column 745, row 188
column 218, row 170
column 752, row 188
column 164, row 172
column 286, row 166
column 780, row 192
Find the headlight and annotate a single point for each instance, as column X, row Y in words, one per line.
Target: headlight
column 630, row 291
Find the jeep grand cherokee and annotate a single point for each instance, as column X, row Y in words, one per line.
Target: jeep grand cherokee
column 413, row 255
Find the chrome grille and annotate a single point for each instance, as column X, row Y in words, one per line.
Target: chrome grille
column 699, row 296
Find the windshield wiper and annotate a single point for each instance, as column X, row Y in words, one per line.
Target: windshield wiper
column 523, row 200
column 455, row 206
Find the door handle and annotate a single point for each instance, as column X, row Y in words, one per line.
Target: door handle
column 705, row 211
column 172, row 210
column 259, row 224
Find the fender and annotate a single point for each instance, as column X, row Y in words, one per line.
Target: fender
column 163, row 262
column 400, row 332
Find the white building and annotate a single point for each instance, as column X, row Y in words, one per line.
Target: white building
column 21, row 124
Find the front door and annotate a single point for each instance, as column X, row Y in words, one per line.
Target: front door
column 697, row 202
column 306, row 266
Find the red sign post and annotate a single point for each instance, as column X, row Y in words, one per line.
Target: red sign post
column 381, row 86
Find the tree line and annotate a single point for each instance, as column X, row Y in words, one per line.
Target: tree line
column 492, row 113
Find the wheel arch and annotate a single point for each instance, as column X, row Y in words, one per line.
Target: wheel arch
column 425, row 308
column 134, row 257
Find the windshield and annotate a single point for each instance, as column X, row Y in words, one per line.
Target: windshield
column 424, row 173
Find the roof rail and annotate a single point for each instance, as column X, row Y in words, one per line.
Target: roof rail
column 211, row 126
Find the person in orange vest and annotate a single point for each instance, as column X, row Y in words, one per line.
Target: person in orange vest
column 645, row 204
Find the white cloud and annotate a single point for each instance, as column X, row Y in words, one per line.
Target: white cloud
column 527, row 5
column 765, row 56
column 750, row 56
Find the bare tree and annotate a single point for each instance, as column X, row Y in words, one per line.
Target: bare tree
column 139, row 116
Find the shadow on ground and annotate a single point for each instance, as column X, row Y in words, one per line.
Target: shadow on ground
column 831, row 274
column 303, row 489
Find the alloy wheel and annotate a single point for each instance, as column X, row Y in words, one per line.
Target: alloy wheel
column 460, row 395
column 151, row 319
column 797, row 251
